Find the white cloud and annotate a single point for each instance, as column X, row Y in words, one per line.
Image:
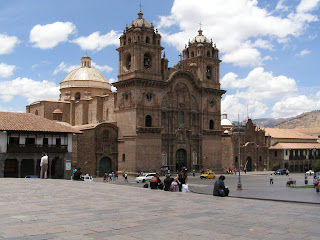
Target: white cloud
column 28, row 88
column 259, row 85
column 64, row 67
column 6, row 70
column 281, row 7
column 8, row 43
column 231, row 24
column 307, row 5
column 97, row 42
column 112, row 80
column 50, row 35
column 253, row 92
column 102, row 68
column 303, row 52
column 293, row 106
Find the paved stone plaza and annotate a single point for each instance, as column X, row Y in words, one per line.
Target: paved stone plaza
column 61, row 209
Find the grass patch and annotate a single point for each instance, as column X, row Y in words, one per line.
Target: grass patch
column 306, row 186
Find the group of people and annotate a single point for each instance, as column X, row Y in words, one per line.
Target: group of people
column 169, row 183
column 113, row 176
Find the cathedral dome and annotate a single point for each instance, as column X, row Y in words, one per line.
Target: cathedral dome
column 85, row 76
column 225, row 122
column 200, row 38
column 140, row 22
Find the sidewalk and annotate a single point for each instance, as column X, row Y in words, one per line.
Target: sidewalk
column 39, row 209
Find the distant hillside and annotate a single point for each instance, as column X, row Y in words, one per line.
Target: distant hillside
column 268, row 122
column 304, row 120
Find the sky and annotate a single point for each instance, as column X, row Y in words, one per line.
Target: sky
column 269, row 49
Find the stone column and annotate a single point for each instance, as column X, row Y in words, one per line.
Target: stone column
column 19, row 167
column 2, row 168
column 35, row 166
column 49, row 167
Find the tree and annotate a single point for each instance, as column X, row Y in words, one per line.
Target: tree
column 316, row 166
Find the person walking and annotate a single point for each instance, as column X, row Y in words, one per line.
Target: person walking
column 105, row 177
column 125, row 177
column 271, row 178
column 44, row 166
column 287, row 172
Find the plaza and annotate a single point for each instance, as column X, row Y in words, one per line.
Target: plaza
column 63, row 209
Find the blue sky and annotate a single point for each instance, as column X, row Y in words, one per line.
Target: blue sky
column 269, row 49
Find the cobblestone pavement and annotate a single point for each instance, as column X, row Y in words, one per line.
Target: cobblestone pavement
column 59, row 209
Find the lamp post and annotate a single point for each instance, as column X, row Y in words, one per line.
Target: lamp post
column 239, row 129
column 239, row 186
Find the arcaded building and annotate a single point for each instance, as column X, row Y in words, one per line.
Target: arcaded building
column 159, row 116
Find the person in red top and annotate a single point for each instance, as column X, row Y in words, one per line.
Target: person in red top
column 105, row 177
column 235, row 171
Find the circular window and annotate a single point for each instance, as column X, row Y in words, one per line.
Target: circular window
column 128, row 61
column 149, row 96
column 211, row 104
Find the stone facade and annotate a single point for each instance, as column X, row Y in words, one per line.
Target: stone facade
column 159, row 116
column 254, row 154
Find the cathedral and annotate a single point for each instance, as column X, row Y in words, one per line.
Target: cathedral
column 158, row 117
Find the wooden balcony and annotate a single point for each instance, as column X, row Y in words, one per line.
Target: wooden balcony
column 33, row 148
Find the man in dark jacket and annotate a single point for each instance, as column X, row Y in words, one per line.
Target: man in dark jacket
column 219, row 188
column 167, row 182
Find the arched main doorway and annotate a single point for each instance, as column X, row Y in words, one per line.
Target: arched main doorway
column 181, row 159
column 249, row 164
column 27, row 167
column 57, row 170
column 105, row 166
column 11, row 168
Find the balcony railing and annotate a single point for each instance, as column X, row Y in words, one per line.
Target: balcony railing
column 33, row 148
column 291, row 157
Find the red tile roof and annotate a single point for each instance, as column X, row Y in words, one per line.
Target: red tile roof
column 286, row 134
column 11, row 121
column 296, row 146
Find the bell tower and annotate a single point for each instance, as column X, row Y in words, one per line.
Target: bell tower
column 202, row 57
column 140, row 51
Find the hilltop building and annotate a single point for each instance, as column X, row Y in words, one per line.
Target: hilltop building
column 158, row 117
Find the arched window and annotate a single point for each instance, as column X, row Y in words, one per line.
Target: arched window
column 36, row 112
column 148, row 121
column 105, row 136
column 181, row 117
column 128, row 61
column 208, row 54
column 123, row 157
column 209, row 72
column 158, row 42
column 192, row 54
column 193, row 119
column 211, row 124
column 195, row 158
column 129, row 40
column 147, row 61
column 164, row 159
column 236, row 161
column 77, row 96
column 147, row 40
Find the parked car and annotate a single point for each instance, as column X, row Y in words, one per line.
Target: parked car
column 145, row 177
column 310, row 172
column 280, row 171
column 208, row 175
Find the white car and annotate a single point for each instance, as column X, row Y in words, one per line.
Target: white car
column 145, row 177
column 310, row 172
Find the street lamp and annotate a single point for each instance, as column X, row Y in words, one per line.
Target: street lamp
column 239, row 129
